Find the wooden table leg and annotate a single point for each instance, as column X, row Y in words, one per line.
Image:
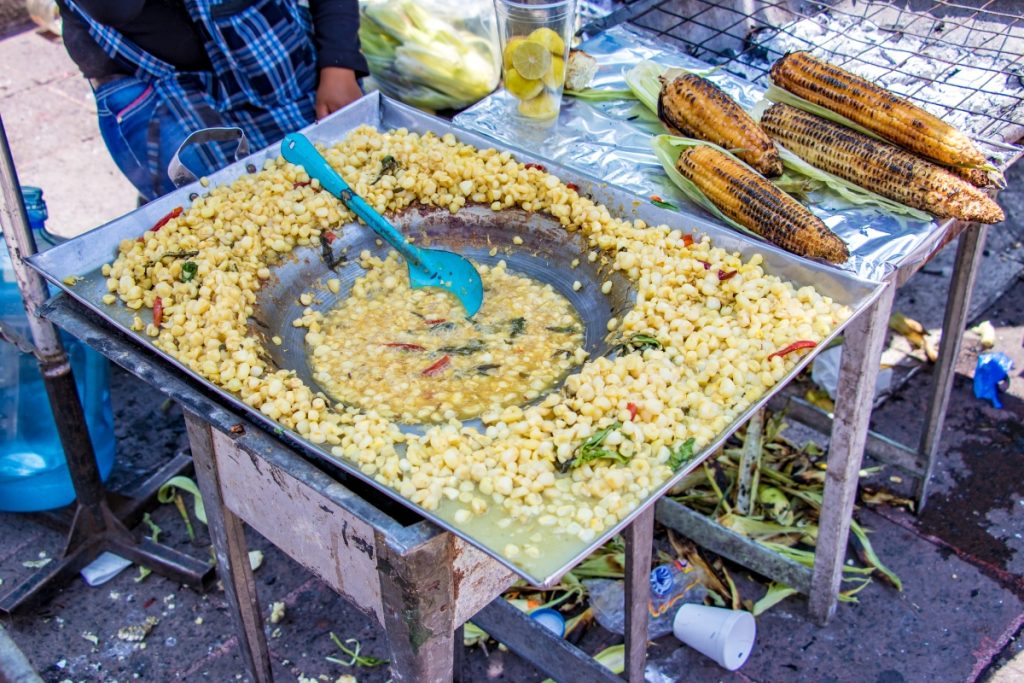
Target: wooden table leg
column 639, row 536
column 228, row 536
column 417, row 595
column 858, row 371
column 958, row 300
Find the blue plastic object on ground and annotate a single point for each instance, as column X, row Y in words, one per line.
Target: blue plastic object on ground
column 992, row 368
column 550, row 619
column 33, row 472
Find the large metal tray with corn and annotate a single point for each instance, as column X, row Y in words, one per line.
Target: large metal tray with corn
column 585, row 269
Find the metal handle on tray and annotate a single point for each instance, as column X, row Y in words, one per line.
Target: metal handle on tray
column 181, row 175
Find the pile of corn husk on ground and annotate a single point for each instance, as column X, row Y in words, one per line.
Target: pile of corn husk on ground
column 774, row 497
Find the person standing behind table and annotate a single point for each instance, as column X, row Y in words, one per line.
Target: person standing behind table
column 162, row 69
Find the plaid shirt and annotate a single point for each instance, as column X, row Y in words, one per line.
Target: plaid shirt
column 263, row 79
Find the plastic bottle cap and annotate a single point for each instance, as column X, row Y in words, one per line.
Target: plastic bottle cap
column 550, row 619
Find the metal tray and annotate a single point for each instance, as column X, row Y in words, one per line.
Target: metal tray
column 83, row 256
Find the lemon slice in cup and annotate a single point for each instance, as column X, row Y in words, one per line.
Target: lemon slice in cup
column 549, row 39
column 555, row 77
column 543, row 106
column 522, row 88
column 506, row 56
column 532, row 60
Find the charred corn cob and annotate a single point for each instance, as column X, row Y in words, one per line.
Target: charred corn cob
column 979, row 177
column 893, row 118
column 755, row 203
column 697, row 108
column 878, row 166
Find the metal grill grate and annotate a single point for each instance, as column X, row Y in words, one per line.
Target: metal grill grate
column 962, row 61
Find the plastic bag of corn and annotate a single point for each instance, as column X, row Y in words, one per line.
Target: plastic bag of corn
column 432, row 54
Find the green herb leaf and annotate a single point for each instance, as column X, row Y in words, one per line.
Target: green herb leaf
column 590, row 450
column 664, row 205
column 471, row 347
column 518, row 326
column 641, row 342
column 566, row 329
column 681, row 455
column 189, row 269
column 353, row 652
column 446, row 326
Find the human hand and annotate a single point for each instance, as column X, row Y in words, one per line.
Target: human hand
column 337, row 88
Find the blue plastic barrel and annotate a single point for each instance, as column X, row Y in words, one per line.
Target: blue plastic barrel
column 33, row 471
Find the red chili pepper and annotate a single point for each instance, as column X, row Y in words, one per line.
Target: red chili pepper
column 330, row 237
column 158, row 311
column 148, row 603
column 572, row 186
column 174, row 213
column 436, row 321
column 437, row 367
column 687, row 240
column 405, row 347
column 802, row 344
column 707, row 266
column 632, row 408
column 539, row 167
column 303, row 183
column 656, row 198
column 725, row 275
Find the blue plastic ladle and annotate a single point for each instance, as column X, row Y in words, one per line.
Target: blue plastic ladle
column 427, row 267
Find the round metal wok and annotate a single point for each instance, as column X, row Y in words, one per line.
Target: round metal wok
column 546, row 255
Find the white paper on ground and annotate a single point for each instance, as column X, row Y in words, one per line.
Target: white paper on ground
column 104, row 568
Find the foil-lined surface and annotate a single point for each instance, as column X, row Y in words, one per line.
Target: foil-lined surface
column 611, row 140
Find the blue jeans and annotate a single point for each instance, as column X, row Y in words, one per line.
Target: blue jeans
column 125, row 108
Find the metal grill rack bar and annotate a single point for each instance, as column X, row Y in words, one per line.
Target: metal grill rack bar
column 893, row 43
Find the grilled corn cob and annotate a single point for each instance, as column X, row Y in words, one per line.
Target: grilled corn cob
column 697, row 108
column 878, row 166
column 893, row 118
column 755, row 203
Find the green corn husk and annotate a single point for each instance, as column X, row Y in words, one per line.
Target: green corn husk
column 668, row 148
column 612, row 658
column 776, row 593
column 595, row 95
column 784, row 518
column 644, row 80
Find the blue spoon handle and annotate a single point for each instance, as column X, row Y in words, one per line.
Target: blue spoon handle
column 297, row 149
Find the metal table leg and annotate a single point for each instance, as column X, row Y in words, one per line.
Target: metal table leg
column 228, row 536
column 857, row 374
column 639, row 543
column 418, row 602
column 968, row 256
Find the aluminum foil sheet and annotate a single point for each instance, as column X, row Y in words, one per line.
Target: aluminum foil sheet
column 612, row 140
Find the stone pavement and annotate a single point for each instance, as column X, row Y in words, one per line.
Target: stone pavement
column 957, row 619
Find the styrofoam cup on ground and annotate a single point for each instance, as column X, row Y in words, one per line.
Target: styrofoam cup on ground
column 724, row 635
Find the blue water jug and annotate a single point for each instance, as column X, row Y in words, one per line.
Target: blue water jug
column 33, row 472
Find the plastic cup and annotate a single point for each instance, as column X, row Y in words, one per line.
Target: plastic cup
column 724, row 635
column 535, row 39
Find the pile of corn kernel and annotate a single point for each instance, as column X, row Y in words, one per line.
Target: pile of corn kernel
column 716, row 335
